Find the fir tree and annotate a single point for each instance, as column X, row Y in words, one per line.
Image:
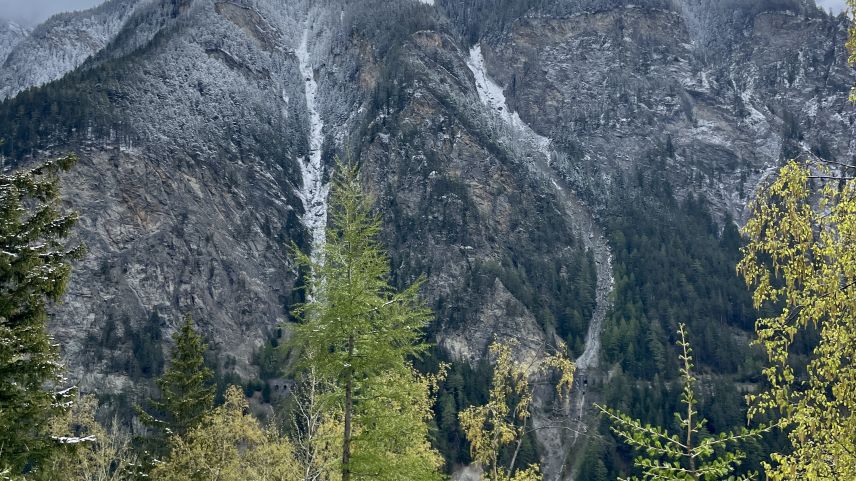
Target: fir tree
column 186, row 391
column 34, row 271
column 358, row 331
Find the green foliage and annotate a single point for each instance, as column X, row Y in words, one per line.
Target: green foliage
column 186, row 392
column 270, row 359
column 357, row 334
column 504, row 420
column 672, row 262
column 353, row 309
column 35, row 265
column 801, row 263
column 559, row 292
column 89, row 451
column 665, row 273
column 688, row 455
column 463, row 386
column 228, row 444
column 391, row 438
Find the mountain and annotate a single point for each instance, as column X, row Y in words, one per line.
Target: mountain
column 10, row 35
column 558, row 170
column 59, row 45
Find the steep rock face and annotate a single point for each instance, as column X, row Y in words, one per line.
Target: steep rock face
column 611, row 86
column 187, row 193
column 615, row 88
column 59, row 45
column 10, row 35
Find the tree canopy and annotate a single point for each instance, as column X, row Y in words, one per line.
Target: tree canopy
column 228, row 444
column 801, row 263
column 35, row 265
column 359, row 334
column 688, row 455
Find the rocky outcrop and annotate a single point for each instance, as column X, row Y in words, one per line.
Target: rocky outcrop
column 11, row 34
column 611, row 86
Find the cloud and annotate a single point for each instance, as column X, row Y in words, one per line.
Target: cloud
column 837, row 6
column 32, row 12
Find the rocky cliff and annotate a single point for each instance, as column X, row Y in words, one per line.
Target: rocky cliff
column 10, row 35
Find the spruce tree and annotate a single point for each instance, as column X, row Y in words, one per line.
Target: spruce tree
column 186, row 391
column 358, row 333
column 35, row 265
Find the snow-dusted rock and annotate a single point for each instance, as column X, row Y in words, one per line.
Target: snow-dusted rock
column 11, row 35
column 207, row 130
column 59, row 45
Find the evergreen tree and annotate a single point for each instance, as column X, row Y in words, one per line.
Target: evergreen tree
column 34, row 270
column 186, row 391
column 358, row 331
column 688, row 455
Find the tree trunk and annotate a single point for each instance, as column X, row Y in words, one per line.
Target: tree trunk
column 349, row 407
column 517, row 448
column 690, row 449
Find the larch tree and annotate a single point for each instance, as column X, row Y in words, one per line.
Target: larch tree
column 35, row 266
column 504, row 420
column 688, row 455
column 391, row 437
column 186, row 391
column 358, row 332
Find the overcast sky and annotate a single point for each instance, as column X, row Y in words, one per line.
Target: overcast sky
column 835, row 5
column 31, row 12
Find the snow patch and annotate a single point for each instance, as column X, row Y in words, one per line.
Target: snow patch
column 522, row 140
column 59, row 45
column 493, row 96
column 314, row 191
